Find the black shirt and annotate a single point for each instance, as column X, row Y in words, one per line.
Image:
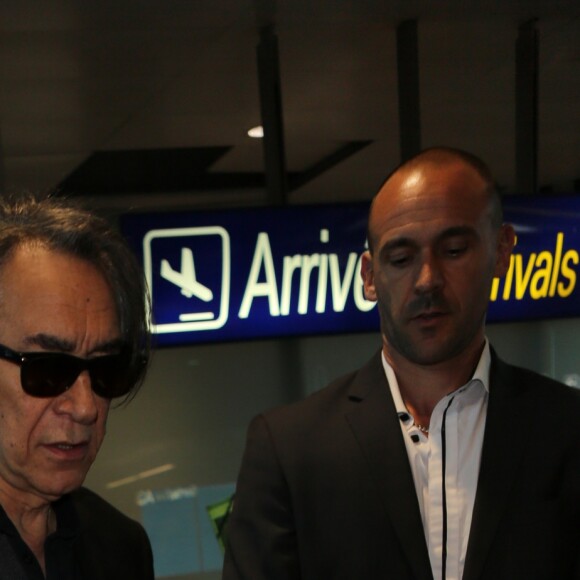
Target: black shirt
column 17, row 562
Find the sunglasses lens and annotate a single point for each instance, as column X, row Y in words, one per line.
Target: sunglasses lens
column 110, row 375
column 49, row 376
column 52, row 374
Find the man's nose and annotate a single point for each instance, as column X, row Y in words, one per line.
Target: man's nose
column 79, row 401
column 429, row 277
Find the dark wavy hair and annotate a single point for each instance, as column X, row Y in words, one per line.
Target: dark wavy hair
column 58, row 225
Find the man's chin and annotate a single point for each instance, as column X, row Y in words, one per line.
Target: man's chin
column 429, row 351
column 59, row 487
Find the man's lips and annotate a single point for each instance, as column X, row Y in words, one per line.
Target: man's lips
column 429, row 320
column 429, row 315
column 67, row 450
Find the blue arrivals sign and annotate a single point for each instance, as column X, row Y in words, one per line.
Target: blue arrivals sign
column 258, row 273
column 253, row 273
column 542, row 279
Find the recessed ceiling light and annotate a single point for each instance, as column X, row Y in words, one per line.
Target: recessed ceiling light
column 256, row 132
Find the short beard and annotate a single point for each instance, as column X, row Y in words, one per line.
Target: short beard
column 408, row 348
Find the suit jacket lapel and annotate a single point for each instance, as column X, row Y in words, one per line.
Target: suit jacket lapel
column 375, row 425
column 508, row 416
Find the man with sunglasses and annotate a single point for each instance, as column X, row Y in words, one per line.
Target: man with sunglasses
column 73, row 337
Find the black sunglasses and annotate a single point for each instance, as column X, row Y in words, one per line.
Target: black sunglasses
column 48, row 374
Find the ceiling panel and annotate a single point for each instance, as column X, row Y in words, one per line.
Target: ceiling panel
column 78, row 77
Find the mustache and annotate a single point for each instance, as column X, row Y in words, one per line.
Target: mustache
column 426, row 303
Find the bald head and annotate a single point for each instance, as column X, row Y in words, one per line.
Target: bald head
column 437, row 164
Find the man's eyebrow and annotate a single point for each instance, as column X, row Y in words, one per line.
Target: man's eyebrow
column 111, row 346
column 50, row 342
column 457, row 231
column 406, row 242
column 402, row 242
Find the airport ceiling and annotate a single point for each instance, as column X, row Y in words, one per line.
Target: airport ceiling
column 147, row 103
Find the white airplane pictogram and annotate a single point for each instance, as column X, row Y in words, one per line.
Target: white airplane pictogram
column 186, row 279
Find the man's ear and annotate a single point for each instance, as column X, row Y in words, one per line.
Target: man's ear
column 368, row 275
column 505, row 244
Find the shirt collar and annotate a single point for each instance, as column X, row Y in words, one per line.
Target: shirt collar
column 481, row 376
column 66, row 517
column 481, row 373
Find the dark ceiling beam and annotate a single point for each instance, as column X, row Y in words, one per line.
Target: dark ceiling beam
column 526, row 89
column 146, row 171
column 302, row 178
column 272, row 118
column 408, row 89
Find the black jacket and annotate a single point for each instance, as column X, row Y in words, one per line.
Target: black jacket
column 326, row 491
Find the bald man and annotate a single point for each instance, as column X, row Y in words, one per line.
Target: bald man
column 436, row 460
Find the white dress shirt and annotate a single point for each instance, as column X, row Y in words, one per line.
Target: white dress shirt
column 451, row 452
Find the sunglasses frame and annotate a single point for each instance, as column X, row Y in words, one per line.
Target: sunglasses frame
column 23, row 359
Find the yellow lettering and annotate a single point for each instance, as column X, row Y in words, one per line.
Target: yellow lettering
column 557, row 260
column 494, row 289
column 539, row 275
column 508, row 280
column 522, row 281
column 538, row 290
column 568, row 273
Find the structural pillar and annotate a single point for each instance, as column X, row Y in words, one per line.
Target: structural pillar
column 272, row 118
column 527, row 108
column 408, row 88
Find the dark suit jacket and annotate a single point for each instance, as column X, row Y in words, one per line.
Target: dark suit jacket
column 326, row 492
column 109, row 545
